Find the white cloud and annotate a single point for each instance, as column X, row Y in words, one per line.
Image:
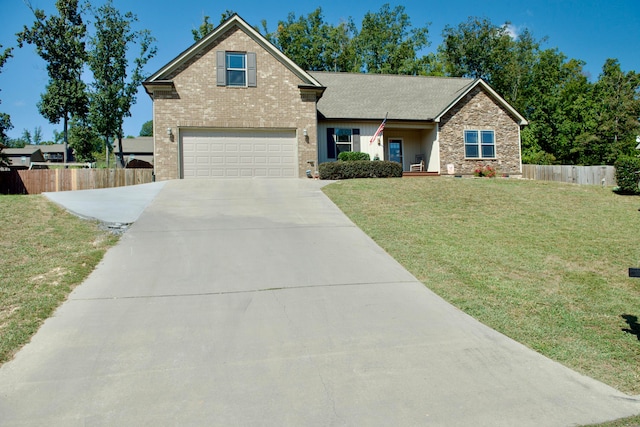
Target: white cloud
column 512, row 30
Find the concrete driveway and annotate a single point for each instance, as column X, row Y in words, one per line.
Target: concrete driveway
column 257, row 302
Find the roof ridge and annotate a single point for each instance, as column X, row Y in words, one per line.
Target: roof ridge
column 350, row 73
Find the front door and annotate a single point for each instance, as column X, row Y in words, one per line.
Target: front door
column 395, row 150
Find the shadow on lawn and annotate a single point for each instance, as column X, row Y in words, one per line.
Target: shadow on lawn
column 634, row 326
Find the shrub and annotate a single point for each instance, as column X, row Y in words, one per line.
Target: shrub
column 352, row 156
column 488, row 171
column 360, row 169
column 627, row 168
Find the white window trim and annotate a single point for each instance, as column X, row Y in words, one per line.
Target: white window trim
column 229, row 68
column 479, row 144
column 335, row 136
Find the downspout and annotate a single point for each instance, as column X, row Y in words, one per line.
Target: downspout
column 436, row 143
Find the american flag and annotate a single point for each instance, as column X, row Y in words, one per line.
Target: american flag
column 380, row 129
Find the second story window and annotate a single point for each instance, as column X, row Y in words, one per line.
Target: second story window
column 236, row 69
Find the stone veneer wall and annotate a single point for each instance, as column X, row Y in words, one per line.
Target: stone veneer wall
column 196, row 101
column 478, row 111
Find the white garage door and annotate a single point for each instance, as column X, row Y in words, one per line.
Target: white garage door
column 239, row 153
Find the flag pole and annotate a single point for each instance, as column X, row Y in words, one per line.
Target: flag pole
column 380, row 129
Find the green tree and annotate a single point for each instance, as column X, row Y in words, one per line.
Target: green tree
column 312, row 43
column 5, row 119
column 83, row 140
column 115, row 85
column 339, row 54
column 478, row 48
column 617, row 97
column 517, row 73
column 15, row 142
column 147, row 128
column 559, row 106
column 37, row 135
column 387, row 43
column 59, row 41
column 206, row 27
column 4, row 159
column 26, row 136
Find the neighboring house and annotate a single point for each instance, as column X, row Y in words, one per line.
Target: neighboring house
column 52, row 153
column 233, row 105
column 21, row 158
column 139, row 148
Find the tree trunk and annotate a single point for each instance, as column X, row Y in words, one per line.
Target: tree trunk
column 66, row 140
column 120, row 154
column 106, row 146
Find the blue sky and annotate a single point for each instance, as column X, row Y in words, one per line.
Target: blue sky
column 590, row 30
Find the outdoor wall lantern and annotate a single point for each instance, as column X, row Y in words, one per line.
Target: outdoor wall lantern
column 169, row 131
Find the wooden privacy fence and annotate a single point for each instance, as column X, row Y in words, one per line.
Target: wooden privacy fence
column 584, row 175
column 50, row 180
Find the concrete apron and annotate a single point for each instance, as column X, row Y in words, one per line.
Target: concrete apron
column 257, row 302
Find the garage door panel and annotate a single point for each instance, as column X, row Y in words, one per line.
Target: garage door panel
column 202, row 148
column 239, row 154
column 231, row 148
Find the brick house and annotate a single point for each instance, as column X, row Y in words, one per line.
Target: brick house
column 232, row 105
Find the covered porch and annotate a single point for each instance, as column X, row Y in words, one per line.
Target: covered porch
column 414, row 146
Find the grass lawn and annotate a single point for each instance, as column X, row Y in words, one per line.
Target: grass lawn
column 544, row 263
column 625, row 422
column 45, row 252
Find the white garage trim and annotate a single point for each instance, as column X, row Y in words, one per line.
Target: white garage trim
column 238, row 153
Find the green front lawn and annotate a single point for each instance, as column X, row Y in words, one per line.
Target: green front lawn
column 543, row 263
column 45, row 252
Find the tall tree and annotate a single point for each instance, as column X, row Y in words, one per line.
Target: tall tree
column 206, row 27
column 387, row 43
column 478, row 48
column 558, row 104
column 37, row 135
column 115, row 85
column 339, row 53
column 312, row 43
column 83, row 140
column 5, row 120
column 517, row 73
column 147, row 128
column 59, row 40
column 618, row 99
column 26, row 135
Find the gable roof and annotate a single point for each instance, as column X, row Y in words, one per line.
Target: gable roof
column 234, row 22
column 415, row 98
column 47, row 148
column 27, row 150
column 139, row 144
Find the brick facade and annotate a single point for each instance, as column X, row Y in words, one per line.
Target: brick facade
column 195, row 101
column 479, row 111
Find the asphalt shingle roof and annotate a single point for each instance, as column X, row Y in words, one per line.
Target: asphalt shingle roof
column 371, row 96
